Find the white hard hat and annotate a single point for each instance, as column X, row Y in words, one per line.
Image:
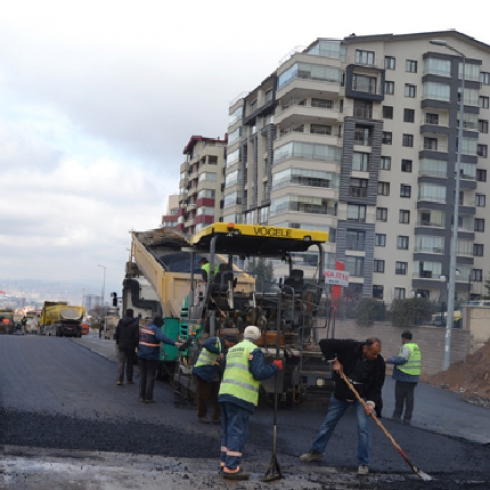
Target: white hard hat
column 251, row 333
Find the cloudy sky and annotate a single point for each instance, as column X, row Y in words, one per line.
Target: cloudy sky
column 99, row 97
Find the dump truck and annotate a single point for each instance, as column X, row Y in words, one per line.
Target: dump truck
column 61, row 319
column 7, row 325
column 158, row 282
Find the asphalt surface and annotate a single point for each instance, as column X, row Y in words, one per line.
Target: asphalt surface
column 65, row 424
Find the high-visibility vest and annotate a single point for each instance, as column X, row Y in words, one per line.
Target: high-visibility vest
column 237, row 379
column 412, row 366
column 207, row 267
column 207, row 358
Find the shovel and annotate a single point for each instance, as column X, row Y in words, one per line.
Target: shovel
column 273, row 472
column 424, row 476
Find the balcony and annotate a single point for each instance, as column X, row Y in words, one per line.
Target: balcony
column 357, row 191
column 429, row 250
column 363, row 112
column 298, row 112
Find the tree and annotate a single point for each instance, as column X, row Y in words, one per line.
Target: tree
column 367, row 311
column 263, row 272
column 410, row 312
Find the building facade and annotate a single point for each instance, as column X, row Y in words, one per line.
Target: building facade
column 169, row 220
column 359, row 137
column 201, row 183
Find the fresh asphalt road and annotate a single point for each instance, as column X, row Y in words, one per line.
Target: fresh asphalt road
column 59, row 397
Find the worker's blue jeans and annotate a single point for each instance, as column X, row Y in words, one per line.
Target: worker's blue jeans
column 336, row 410
column 234, row 431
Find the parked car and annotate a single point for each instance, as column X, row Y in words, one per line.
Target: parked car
column 440, row 319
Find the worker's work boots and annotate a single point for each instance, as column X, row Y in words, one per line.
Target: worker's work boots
column 237, row 475
column 311, row 456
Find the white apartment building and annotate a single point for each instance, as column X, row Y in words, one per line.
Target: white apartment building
column 359, row 137
column 201, row 182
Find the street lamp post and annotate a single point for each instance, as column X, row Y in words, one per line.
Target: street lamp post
column 102, row 292
column 454, row 235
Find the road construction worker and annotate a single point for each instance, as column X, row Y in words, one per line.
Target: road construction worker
column 208, row 375
column 406, row 373
column 23, row 322
column 362, row 364
column 149, row 356
column 206, row 267
column 127, row 339
column 238, row 397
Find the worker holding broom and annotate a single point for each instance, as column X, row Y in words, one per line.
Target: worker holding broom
column 365, row 368
column 238, row 397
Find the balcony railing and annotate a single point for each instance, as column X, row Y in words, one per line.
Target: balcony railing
column 363, row 112
column 357, row 192
column 429, row 250
column 363, row 141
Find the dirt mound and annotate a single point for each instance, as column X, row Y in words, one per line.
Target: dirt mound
column 471, row 377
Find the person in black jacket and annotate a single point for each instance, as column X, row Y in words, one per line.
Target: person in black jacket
column 127, row 335
column 362, row 364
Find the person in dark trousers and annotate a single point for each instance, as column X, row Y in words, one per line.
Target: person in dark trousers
column 208, row 375
column 127, row 335
column 238, row 397
column 406, row 373
column 362, row 364
column 150, row 338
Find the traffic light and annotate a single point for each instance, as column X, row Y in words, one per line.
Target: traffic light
column 114, row 299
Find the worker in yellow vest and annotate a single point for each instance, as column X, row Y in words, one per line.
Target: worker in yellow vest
column 238, row 397
column 406, row 374
column 208, row 375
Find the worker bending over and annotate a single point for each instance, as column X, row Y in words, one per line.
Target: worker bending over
column 361, row 362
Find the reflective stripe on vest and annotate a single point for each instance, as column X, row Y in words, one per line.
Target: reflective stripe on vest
column 147, row 331
column 207, row 358
column 413, row 365
column 237, row 379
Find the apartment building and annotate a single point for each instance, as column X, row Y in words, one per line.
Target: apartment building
column 169, row 220
column 201, row 183
column 359, row 137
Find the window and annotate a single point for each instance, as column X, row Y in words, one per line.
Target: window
column 479, row 224
column 360, row 161
column 363, row 83
column 406, row 165
column 364, row 57
column 385, row 163
column 354, row 265
column 404, row 216
column 390, row 62
column 402, row 242
column 432, row 192
column 436, row 91
column 387, row 112
column 480, row 200
column 400, row 293
column 387, row 138
column 483, row 126
column 437, row 67
column 408, row 115
column 407, row 140
column 382, row 214
column 380, row 240
column 410, row 90
column 378, row 292
column 401, row 268
column 356, row 240
column 481, row 175
column 482, row 151
column 484, row 78
column 405, row 190
column 323, row 103
column 477, row 275
column 362, row 135
column 430, row 143
column 411, row 66
column 389, row 88
column 432, row 119
column 484, row 102
column 478, row 250
column 383, row 188
column 356, row 213
column 379, row 266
